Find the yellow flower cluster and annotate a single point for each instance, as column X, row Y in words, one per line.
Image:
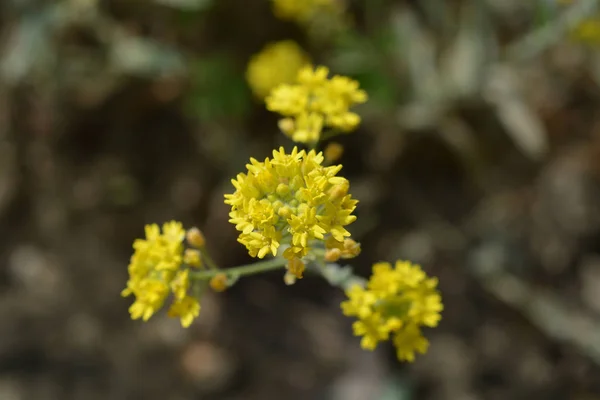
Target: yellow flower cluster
column 303, row 11
column 291, row 199
column 155, row 271
column 397, row 301
column 275, row 64
column 315, row 102
column 588, row 30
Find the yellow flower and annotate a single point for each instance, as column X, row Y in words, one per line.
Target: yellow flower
column 315, row 102
column 193, row 258
column 155, row 271
column 303, row 11
column 285, row 200
column 275, row 64
column 186, row 309
column 588, row 31
column 397, row 301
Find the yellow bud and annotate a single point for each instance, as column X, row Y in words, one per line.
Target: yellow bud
column 282, row 189
column 284, row 212
column 340, row 190
column 218, row 283
column 286, row 125
column 332, row 255
column 195, row 238
column 351, row 248
column 289, row 278
column 296, row 267
column 192, row 258
column 333, row 152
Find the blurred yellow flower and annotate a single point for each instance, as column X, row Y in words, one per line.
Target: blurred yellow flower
column 275, row 64
column 155, row 272
column 315, row 102
column 186, row 308
column 588, row 30
column 397, row 302
column 303, row 11
column 291, row 199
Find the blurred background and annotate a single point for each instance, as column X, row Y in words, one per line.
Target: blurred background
column 478, row 157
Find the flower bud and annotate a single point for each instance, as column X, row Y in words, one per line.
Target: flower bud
column 289, row 278
column 218, row 283
column 192, row 258
column 296, row 267
column 332, row 255
column 333, row 152
column 195, row 238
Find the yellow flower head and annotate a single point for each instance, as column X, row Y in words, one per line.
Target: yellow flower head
column 291, row 199
column 315, row 102
column 275, row 64
column 303, row 11
column 396, row 302
column 155, row 270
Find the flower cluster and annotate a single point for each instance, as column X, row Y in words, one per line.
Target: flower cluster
column 275, row 64
column 397, row 301
column 156, row 270
column 588, row 30
column 315, row 102
column 302, row 11
column 291, row 199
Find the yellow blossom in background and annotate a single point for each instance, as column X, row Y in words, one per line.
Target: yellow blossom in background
column 395, row 304
column 290, row 199
column 275, row 64
column 302, row 11
column 155, row 272
column 588, row 30
column 315, row 102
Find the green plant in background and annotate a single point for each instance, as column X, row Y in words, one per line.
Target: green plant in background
column 295, row 209
column 217, row 89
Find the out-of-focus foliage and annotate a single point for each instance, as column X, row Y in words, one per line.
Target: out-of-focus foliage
column 477, row 158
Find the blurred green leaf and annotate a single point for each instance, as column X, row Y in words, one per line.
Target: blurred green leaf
column 218, row 89
column 381, row 89
column 188, row 5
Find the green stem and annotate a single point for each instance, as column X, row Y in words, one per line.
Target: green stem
column 243, row 270
column 208, row 260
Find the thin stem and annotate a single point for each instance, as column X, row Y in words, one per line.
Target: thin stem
column 243, row 270
column 208, row 260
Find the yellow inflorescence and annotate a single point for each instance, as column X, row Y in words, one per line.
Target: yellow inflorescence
column 315, row 102
column 397, row 302
column 275, row 64
column 303, row 11
column 155, row 271
column 291, row 199
column 588, row 30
